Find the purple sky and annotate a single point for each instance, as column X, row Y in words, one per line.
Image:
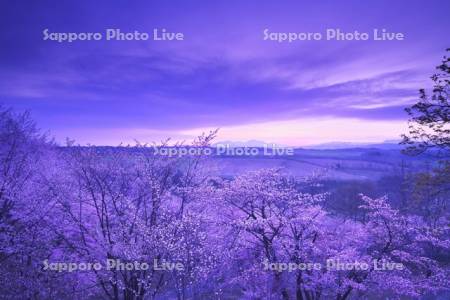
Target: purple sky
column 223, row 74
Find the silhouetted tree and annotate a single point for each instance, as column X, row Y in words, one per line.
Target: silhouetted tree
column 429, row 124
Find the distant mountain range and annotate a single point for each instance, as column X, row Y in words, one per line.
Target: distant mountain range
column 250, row 143
column 387, row 145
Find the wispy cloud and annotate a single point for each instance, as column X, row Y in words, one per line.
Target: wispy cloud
column 222, row 75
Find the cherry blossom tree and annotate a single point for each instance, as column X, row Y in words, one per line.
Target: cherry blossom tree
column 259, row 235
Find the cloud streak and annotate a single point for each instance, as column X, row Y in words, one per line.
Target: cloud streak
column 223, row 75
